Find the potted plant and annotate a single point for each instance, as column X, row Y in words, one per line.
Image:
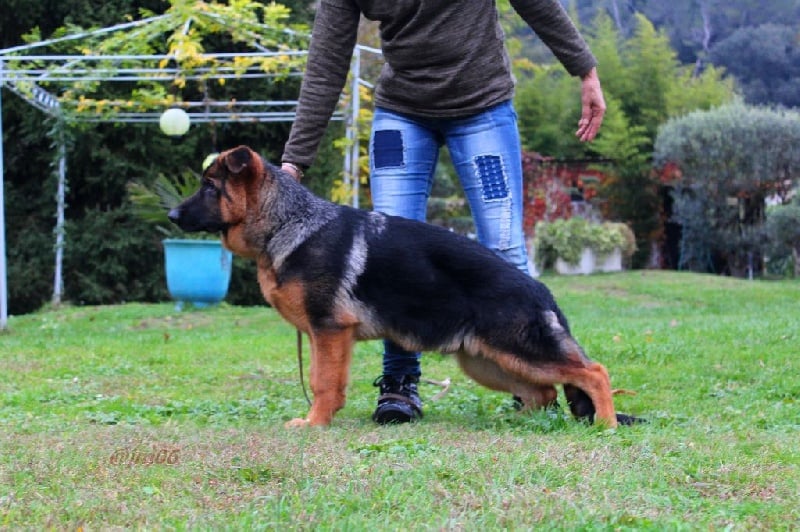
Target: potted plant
column 198, row 269
column 578, row 246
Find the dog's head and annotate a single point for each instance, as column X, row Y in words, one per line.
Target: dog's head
column 220, row 205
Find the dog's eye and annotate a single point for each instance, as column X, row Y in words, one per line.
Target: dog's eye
column 209, row 186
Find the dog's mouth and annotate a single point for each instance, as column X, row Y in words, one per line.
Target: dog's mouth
column 192, row 225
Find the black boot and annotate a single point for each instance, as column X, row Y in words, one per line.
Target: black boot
column 399, row 401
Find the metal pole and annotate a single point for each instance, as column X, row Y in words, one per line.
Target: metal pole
column 348, row 133
column 58, row 281
column 354, row 153
column 348, row 164
column 3, row 277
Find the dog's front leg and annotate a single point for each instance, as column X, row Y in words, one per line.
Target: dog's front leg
column 331, row 352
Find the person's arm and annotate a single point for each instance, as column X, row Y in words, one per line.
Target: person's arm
column 552, row 24
column 332, row 40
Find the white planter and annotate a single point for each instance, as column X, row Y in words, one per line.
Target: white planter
column 589, row 263
column 584, row 266
column 611, row 262
column 532, row 259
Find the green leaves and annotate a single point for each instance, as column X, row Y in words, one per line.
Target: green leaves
column 159, row 56
column 151, row 203
column 566, row 239
column 734, row 148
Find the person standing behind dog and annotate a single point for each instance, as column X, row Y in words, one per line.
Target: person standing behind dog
column 446, row 80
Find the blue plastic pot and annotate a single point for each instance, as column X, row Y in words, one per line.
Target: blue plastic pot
column 198, row 271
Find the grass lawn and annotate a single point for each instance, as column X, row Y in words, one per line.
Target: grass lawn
column 138, row 416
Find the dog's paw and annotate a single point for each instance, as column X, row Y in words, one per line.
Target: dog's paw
column 297, row 422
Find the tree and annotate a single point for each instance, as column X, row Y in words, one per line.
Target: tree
column 766, row 62
column 645, row 85
column 728, row 161
column 694, row 26
column 783, row 231
column 19, row 16
column 548, row 106
column 657, row 86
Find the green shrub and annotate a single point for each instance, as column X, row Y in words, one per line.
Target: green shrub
column 111, row 257
column 567, row 238
column 730, row 159
column 783, row 234
column 30, row 264
column 152, row 202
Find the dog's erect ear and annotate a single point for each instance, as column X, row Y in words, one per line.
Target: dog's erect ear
column 238, row 159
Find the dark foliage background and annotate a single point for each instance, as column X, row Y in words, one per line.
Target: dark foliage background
column 757, row 40
column 110, row 255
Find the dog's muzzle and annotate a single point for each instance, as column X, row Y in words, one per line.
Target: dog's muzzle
column 174, row 215
column 192, row 224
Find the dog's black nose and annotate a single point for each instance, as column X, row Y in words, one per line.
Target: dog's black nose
column 174, row 215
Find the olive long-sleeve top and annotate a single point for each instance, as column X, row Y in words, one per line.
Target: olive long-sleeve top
column 443, row 59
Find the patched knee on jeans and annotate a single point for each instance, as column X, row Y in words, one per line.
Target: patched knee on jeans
column 493, row 180
column 387, row 149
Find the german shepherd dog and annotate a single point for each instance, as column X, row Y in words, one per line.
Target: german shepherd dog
column 341, row 275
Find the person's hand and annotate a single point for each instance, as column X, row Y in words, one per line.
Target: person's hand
column 593, row 107
column 293, row 170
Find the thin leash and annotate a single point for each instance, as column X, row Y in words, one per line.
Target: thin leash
column 445, row 384
column 300, row 364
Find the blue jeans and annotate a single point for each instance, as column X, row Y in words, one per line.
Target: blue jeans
column 485, row 150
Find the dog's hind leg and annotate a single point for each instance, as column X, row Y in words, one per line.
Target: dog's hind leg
column 574, row 370
column 539, row 396
column 331, row 352
column 486, row 372
column 582, row 408
column 588, row 391
column 587, row 385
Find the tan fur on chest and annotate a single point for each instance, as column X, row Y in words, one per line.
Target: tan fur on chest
column 287, row 298
column 234, row 240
